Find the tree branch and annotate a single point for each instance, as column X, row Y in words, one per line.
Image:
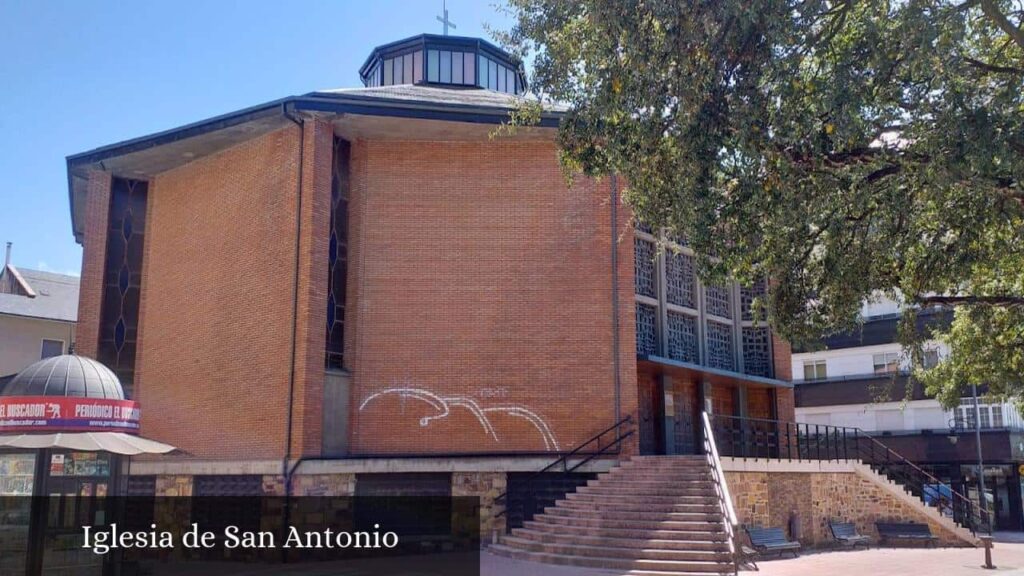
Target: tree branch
column 989, row 8
column 993, row 67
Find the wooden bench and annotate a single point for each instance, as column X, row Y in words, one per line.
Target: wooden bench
column 910, row 531
column 769, row 540
column 846, row 534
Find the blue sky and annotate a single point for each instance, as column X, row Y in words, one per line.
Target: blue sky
column 76, row 75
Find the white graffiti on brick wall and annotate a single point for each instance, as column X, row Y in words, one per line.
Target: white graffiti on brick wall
column 443, row 406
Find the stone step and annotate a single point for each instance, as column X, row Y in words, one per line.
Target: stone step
column 633, row 475
column 630, row 482
column 633, row 514
column 615, row 505
column 698, row 490
column 618, row 542
column 677, row 567
column 603, row 550
column 667, row 466
column 709, row 499
column 628, row 533
column 630, row 523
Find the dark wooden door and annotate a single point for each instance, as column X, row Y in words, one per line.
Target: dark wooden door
column 684, row 401
column 651, row 415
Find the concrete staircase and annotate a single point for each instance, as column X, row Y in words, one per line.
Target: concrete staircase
column 650, row 515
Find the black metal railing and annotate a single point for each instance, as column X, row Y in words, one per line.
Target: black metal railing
column 762, row 438
column 535, row 492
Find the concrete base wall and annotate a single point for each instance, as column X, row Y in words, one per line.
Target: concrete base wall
column 771, row 492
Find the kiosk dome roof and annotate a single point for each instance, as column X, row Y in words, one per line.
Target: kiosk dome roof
column 66, row 375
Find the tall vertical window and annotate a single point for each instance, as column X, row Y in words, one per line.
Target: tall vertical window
column 122, row 279
column 337, row 256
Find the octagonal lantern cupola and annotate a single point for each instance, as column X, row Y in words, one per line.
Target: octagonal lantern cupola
column 444, row 61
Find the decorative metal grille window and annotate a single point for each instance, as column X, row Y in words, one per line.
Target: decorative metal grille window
column 682, row 337
column 679, row 280
column 720, row 352
column 640, row 226
column 747, row 296
column 337, row 257
column 717, row 301
column 756, row 352
column 122, row 279
column 644, row 269
column 646, row 326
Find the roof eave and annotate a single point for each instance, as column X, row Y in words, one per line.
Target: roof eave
column 78, row 164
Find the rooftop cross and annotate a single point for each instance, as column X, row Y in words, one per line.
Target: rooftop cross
column 445, row 20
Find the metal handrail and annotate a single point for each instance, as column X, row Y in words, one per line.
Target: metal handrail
column 722, row 490
column 564, row 458
column 774, row 438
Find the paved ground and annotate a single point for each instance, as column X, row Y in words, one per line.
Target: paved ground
column 1008, row 558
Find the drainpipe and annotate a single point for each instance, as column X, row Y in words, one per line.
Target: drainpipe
column 295, row 299
column 615, row 297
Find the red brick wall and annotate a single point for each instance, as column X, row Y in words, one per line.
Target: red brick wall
column 478, row 277
column 782, row 354
column 216, row 313
column 94, row 250
column 312, row 304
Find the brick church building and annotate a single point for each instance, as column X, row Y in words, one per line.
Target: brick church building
column 361, row 289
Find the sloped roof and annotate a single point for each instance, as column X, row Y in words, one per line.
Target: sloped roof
column 56, row 297
column 148, row 155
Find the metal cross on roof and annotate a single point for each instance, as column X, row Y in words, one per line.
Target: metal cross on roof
column 447, row 23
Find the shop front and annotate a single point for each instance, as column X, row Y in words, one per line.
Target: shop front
column 953, row 460
column 66, row 435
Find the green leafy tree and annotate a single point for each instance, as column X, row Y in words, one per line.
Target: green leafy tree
column 838, row 148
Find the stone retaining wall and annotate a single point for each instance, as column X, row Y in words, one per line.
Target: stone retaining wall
column 771, row 493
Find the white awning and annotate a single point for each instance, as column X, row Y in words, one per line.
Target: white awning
column 116, row 442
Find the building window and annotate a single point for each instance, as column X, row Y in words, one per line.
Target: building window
column 717, row 301
column 815, row 370
column 991, row 415
column 756, row 352
column 683, row 320
column 886, row 363
column 119, row 315
column 337, row 257
column 680, row 280
column 646, row 330
column 931, row 358
column 747, row 296
column 720, row 354
column 51, row 348
column 682, row 337
column 643, row 262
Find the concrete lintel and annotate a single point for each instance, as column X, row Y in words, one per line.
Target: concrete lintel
column 730, row 464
